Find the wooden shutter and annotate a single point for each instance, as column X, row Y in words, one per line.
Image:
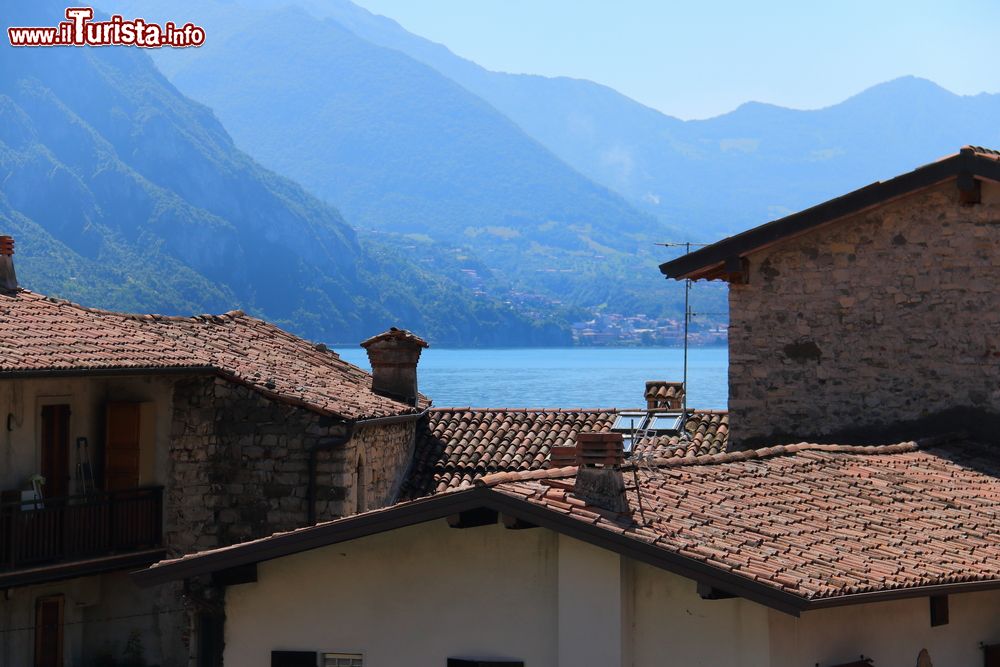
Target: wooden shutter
column 55, row 450
column 49, row 631
column 991, row 655
column 121, row 448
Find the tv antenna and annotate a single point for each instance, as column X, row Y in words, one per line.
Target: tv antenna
column 688, row 314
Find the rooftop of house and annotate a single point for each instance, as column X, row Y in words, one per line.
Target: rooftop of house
column 457, row 446
column 815, row 521
column 42, row 336
column 721, row 260
column 794, row 527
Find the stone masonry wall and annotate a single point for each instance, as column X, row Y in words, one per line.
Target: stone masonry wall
column 241, row 465
column 386, row 452
column 889, row 317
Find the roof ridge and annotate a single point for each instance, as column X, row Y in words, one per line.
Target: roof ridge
column 786, row 450
column 229, row 314
column 523, row 475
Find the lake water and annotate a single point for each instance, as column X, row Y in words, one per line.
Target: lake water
column 563, row 377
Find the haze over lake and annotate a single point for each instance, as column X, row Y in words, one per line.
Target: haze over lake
column 563, row 377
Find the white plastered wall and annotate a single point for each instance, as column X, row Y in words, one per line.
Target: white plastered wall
column 419, row 595
column 890, row 633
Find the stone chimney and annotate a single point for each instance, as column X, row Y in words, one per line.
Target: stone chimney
column 393, row 356
column 599, row 479
column 8, row 279
column 663, row 395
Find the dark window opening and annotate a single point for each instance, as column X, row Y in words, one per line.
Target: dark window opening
column 991, row 655
column 360, row 487
column 211, row 639
column 49, row 631
column 293, row 658
column 939, row 610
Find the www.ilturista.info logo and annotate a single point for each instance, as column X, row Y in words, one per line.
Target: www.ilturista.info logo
column 80, row 30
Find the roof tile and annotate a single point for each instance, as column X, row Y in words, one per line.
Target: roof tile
column 38, row 333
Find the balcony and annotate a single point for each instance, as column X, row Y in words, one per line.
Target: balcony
column 59, row 538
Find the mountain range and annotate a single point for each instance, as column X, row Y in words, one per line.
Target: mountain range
column 123, row 193
column 718, row 175
column 478, row 207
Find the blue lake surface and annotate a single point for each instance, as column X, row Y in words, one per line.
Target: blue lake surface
column 563, row 377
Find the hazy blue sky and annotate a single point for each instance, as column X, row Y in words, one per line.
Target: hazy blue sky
column 701, row 58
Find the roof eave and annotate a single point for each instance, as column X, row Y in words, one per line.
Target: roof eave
column 443, row 505
column 890, row 595
column 709, row 262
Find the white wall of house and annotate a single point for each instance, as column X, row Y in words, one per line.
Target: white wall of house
column 890, row 633
column 419, row 595
column 414, row 597
column 22, row 401
column 674, row 626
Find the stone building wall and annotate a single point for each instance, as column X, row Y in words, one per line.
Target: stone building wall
column 240, row 465
column 889, row 317
column 386, row 452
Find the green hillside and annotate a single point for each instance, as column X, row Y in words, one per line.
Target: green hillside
column 125, row 194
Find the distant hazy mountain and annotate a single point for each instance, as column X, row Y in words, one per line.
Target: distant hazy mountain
column 725, row 173
column 123, row 193
column 400, row 148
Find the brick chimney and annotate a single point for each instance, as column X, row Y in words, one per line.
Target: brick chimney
column 8, row 279
column 393, row 356
column 663, row 395
column 599, row 479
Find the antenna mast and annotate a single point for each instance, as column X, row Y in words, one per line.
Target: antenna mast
column 687, row 322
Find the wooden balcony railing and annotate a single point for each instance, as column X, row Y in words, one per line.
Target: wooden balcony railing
column 59, row 530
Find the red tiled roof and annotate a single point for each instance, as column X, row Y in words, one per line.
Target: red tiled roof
column 816, row 521
column 41, row 334
column 795, row 527
column 459, row 445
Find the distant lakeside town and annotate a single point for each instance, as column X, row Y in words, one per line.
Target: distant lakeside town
column 615, row 329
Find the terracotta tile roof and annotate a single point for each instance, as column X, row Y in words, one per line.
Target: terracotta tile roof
column 815, row 521
column 979, row 151
column 457, row 446
column 795, row 527
column 42, row 334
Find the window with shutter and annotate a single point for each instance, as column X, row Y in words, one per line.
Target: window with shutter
column 121, row 447
column 342, row 660
column 55, row 450
column 49, row 631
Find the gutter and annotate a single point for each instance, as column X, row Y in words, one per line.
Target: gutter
column 440, row 506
